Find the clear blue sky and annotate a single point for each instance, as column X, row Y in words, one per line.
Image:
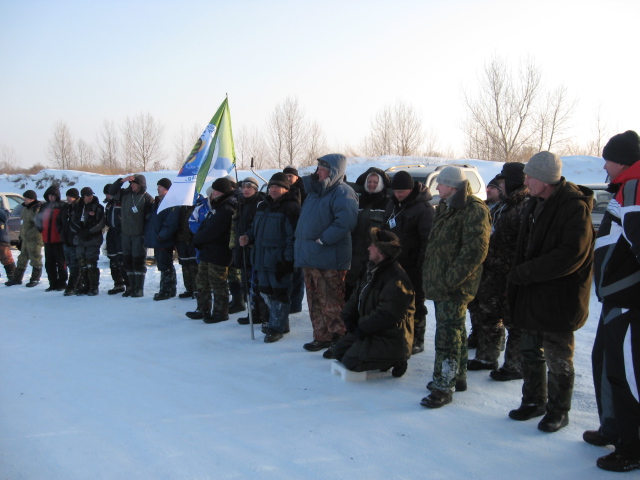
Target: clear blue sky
column 86, row 61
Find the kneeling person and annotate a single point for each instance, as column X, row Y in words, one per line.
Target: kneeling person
column 379, row 313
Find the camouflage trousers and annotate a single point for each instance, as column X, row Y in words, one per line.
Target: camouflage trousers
column 451, row 345
column 6, row 258
column 31, row 252
column 325, row 297
column 213, row 278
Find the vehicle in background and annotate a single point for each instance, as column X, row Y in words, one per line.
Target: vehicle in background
column 601, row 199
column 427, row 174
column 12, row 203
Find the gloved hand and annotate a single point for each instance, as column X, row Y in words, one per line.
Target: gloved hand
column 85, row 234
column 283, row 268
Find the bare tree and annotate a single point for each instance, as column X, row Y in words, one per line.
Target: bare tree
column 8, row 160
column 249, row 143
column 287, row 133
column 554, row 120
column 183, row 143
column 142, row 142
column 316, row 144
column 108, row 147
column 499, row 122
column 380, row 141
column 61, row 147
column 85, row 156
column 407, row 129
column 595, row 146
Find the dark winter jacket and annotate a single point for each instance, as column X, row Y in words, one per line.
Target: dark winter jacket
column 88, row 222
column 617, row 248
column 47, row 219
column 457, row 247
column 272, row 232
column 133, row 222
column 29, row 232
column 4, row 231
column 329, row 214
column 162, row 228
column 381, row 308
column 242, row 220
column 299, row 185
column 185, row 235
column 371, row 211
column 113, row 214
column 411, row 220
column 550, row 283
column 212, row 237
column 65, row 223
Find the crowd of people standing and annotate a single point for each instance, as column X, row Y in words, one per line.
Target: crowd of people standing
column 368, row 255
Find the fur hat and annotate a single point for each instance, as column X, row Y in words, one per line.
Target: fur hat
column 385, row 241
column 223, row 185
column 451, row 176
column 280, row 179
column 546, row 167
column 623, row 148
column 402, row 181
column 165, row 182
column 30, row 194
column 73, row 193
column 86, row 192
column 291, row 169
column 513, row 175
column 252, row 181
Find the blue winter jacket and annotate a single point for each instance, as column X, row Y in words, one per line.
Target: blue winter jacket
column 329, row 214
column 161, row 229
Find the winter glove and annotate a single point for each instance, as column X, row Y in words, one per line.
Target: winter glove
column 85, row 234
column 283, row 268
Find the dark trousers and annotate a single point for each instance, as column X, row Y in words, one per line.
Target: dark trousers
column 55, row 265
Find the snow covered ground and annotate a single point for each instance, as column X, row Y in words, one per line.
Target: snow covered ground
column 118, row 388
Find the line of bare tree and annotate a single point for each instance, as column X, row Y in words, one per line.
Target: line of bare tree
column 510, row 115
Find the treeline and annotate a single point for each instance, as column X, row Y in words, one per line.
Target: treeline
column 511, row 114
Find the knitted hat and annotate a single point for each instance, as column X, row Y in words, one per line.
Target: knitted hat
column 105, row 190
column 223, row 185
column 30, row 194
column 73, row 193
column 280, row 179
column 252, row 181
column 385, row 241
column 513, row 174
column 546, row 167
column 402, row 181
column 232, row 179
column 86, row 192
column 165, row 182
column 380, row 185
column 291, row 169
column 494, row 183
column 623, row 148
column 452, row 177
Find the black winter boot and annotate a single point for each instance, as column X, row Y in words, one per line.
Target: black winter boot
column 203, row 308
column 93, row 274
column 237, row 298
column 220, row 309
column 534, row 392
column 419, row 329
column 82, row 287
column 165, row 286
column 558, row 404
column 130, row 285
column 16, row 278
column 138, row 290
column 9, row 269
column 36, row 273
column 74, row 274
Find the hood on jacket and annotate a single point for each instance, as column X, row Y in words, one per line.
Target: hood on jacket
column 52, row 190
column 362, row 179
column 142, row 181
column 337, row 168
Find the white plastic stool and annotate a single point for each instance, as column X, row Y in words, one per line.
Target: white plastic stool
column 347, row 375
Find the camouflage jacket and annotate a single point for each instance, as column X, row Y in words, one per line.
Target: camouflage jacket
column 456, row 249
column 28, row 230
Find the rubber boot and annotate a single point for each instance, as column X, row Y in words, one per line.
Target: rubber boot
column 203, row 308
column 9, row 269
column 138, row 290
column 74, row 274
column 220, row 309
column 36, row 273
column 558, row 404
column 93, row 274
column 419, row 329
column 118, row 279
column 164, row 280
column 16, row 278
column 237, row 298
column 129, row 287
column 534, row 392
column 82, row 288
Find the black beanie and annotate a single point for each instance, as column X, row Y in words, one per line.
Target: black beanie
column 223, row 185
column 291, row 169
column 280, row 179
column 513, row 174
column 86, row 192
column 165, row 182
column 402, row 181
column 73, row 193
column 30, row 194
column 105, row 190
column 494, row 182
column 623, row 148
